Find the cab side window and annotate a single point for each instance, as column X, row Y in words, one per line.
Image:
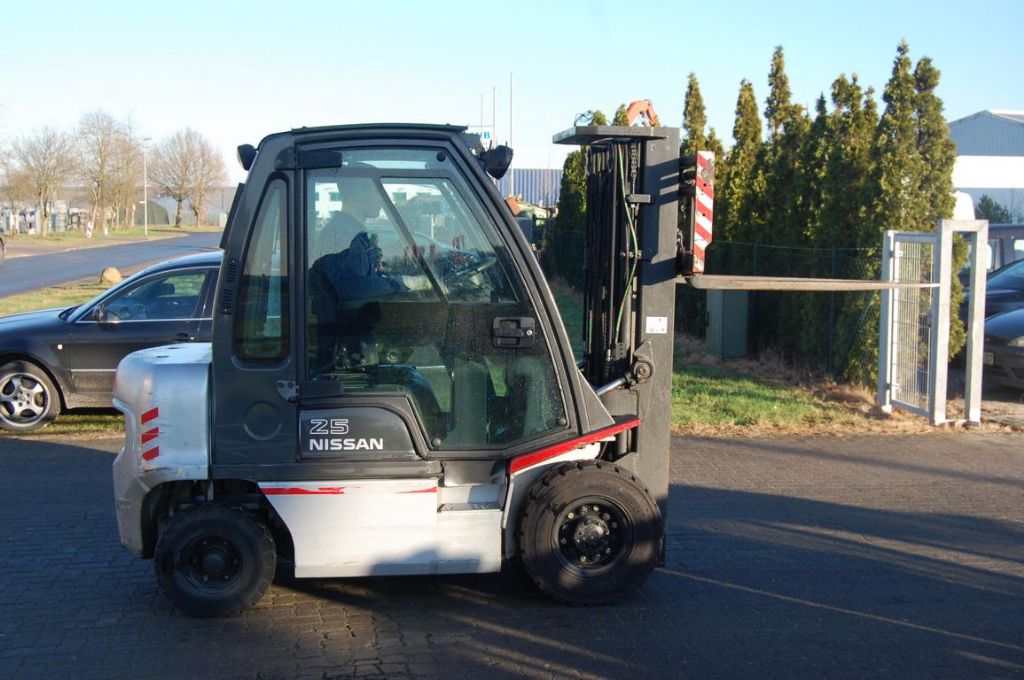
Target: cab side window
column 261, row 319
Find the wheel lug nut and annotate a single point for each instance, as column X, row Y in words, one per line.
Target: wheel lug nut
column 571, row 515
column 583, row 558
column 606, row 516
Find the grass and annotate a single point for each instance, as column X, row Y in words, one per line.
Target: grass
column 98, row 423
column 56, row 296
column 135, row 233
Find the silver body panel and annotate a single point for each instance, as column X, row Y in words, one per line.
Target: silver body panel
column 164, row 395
column 385, row 527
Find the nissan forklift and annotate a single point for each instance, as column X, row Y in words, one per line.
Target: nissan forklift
column 390, row 389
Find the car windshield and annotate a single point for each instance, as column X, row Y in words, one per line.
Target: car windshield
column 1010, row 276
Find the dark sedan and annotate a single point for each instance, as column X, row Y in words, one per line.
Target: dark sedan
column 1004, row 349
column 61, row 359
column 1004, row 289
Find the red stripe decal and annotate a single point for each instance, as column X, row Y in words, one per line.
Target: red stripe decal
column 702, row 160
column 299, row 491
column 150, row 415
column 151, row 454
column 432, row 489
column 525, row 461
column 150, row 435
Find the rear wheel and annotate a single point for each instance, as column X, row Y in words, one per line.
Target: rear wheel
column 214, row 561
column 590, row 533
column 28, row 398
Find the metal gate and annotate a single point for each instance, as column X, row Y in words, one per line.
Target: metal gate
column 913, row 342
column 910, row 319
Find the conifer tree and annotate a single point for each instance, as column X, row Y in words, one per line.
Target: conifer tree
column 695, row 118
column 572, row 198
column 620, row 116
column 736, row 216
column 783, row 205
column 938, row 154
column 778, row 110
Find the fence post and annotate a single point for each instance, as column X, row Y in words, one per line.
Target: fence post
column 832, row 317
column 885, row 327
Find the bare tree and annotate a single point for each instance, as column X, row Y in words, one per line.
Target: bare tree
column 127, row 176
column 172, row 167
column 46, row 158
column 207, row 172
column 14, row 188
column 98, row 136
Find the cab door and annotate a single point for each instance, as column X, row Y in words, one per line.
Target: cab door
column 415, row 317
column 253, row 379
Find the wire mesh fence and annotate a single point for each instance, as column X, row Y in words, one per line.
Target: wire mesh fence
column 822, row 330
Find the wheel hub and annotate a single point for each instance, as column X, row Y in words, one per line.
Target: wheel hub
column 590, row 534
column 211, row 562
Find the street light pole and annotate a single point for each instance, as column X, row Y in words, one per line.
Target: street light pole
column 145, row 186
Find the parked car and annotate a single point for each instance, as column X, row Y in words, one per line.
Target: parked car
column 1005, row 244
column 1004, row 349
column 1004, row 289
column 57, row 360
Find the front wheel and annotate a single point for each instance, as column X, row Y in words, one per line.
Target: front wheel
column 214, row 561
column 28, row 398
column 589, row 533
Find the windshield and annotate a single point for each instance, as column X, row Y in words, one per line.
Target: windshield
column 1010, row 276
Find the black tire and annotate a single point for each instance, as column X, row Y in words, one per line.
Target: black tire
column 214, row 561
column 28, row 398
column 589, row 533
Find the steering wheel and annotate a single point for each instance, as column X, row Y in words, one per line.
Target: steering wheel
column 458, row 277
column 132, row 311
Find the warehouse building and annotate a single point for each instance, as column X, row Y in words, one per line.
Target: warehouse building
column 990, row 157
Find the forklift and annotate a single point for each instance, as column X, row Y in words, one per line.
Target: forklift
column 390, row 388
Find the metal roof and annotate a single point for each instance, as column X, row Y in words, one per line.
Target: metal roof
column 989, row 133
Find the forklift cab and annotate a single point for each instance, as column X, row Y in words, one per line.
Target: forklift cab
column 378, row 305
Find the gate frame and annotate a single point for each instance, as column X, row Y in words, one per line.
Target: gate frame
column 976, row 232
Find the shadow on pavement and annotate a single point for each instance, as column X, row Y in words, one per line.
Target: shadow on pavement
column 758, row 584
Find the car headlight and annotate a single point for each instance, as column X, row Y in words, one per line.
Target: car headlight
column 1016, row 342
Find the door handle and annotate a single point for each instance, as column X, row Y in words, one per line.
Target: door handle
column 513, row 332
column 184, row 337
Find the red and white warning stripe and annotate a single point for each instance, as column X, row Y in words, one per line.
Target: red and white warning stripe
column 149, row 436
column 704, row 208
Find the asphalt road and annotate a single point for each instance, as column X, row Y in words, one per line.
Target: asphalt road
column 824, row 558
column 24, row 274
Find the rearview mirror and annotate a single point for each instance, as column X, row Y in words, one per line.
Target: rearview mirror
column 497, row 161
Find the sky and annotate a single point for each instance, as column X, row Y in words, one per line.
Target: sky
column 237, row 71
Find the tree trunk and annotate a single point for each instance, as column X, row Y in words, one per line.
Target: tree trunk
column 177, row 216
column 42, row 224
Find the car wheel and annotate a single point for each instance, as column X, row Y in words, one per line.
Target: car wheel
column 589, row 533
column 28, row 398
column 214, row 561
